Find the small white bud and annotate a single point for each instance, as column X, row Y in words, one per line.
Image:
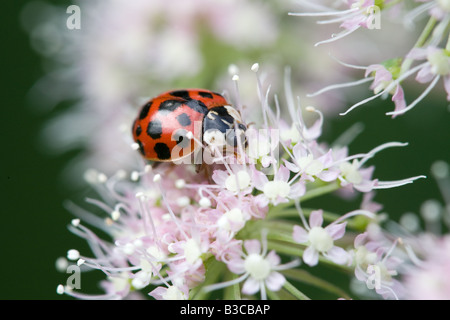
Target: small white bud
column 73, row 254
column 134, row 176
column 255, row 67
column 180, row 183
column 135, row 146
column 204, row 202
column 60, row 289
column 115, row 215
column 75, row 222
column 157, row 178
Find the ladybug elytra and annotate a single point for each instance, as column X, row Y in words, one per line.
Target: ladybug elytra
column 173, row 125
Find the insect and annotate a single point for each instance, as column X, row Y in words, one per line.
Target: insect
column 176, row 123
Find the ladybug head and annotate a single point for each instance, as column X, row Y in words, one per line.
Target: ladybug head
column 223, row 126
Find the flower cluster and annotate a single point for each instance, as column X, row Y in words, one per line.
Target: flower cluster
column 176, row 234
column 431, row 50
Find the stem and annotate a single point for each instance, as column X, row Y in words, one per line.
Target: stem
column 295, row 249
column 320, row 191
column 307, row 278
column 447, row 46
column 233, row 292
column 214, row 269
column 294, row 291
column 419, row 43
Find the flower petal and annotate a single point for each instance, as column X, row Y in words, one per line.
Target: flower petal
column 252, row 246
column 316, row 219
column 311, row 256
column 338, row 255
column 251, row 286
column 275, row 281
column 300, row 235
column 336, row 231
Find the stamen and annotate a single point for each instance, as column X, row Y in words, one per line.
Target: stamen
column 340, row 85
column 338, row 36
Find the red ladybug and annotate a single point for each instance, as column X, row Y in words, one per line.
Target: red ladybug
column 162, row 126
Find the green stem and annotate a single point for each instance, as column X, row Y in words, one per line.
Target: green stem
column 232, row 292
column 419, row 43
column 320, row 191
column 296, row 250
column 307, row 278
column 214, row 269
column 294, row 291
column 447, row 46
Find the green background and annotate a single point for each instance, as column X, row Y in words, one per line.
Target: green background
column 34, row 222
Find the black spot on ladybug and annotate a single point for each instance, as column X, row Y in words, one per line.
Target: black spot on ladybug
column 181, row 94
column 138, row 130
column 145, row 109
column 180, row 137
column 154, row 129
column 197, row 106
column 162, row 151
column 205, row 94
column 141, row 147
column 169, row 105
column 184, row 119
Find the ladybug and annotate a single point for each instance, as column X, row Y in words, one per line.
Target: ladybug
column 176, row 123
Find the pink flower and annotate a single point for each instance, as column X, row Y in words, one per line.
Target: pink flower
column 428, row 278
column 321, row 240
column 309, row 165
column 280, row 189
column 376, row 266
column 258, row 268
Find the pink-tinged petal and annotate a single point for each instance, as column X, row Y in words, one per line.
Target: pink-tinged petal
column 369, row 205
column 417, row 54
column 275, row 281
column 366, row 173
column 236, row 265
column 372, row 68
column 360, row 239
column 282, row 174
column 336, row 231
column 315, row 130
column 259, row 179
column 158, row 293
column 425, row 74
column 399, row 100
column 297, row 190
column 316, row 219
column 329, row 175
column 261, row 201
column 273, row 258
column 327, row 158
column 311, row 256
column 366, row 186
column 300, row 235
column 447, row 86
column 360, row 274
column 292, row 167
column 251, row 286
column 219, row 177
column 299, row 151
column 338, row 255
column 252, row 246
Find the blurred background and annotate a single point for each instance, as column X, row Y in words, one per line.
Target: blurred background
column 68, row 96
